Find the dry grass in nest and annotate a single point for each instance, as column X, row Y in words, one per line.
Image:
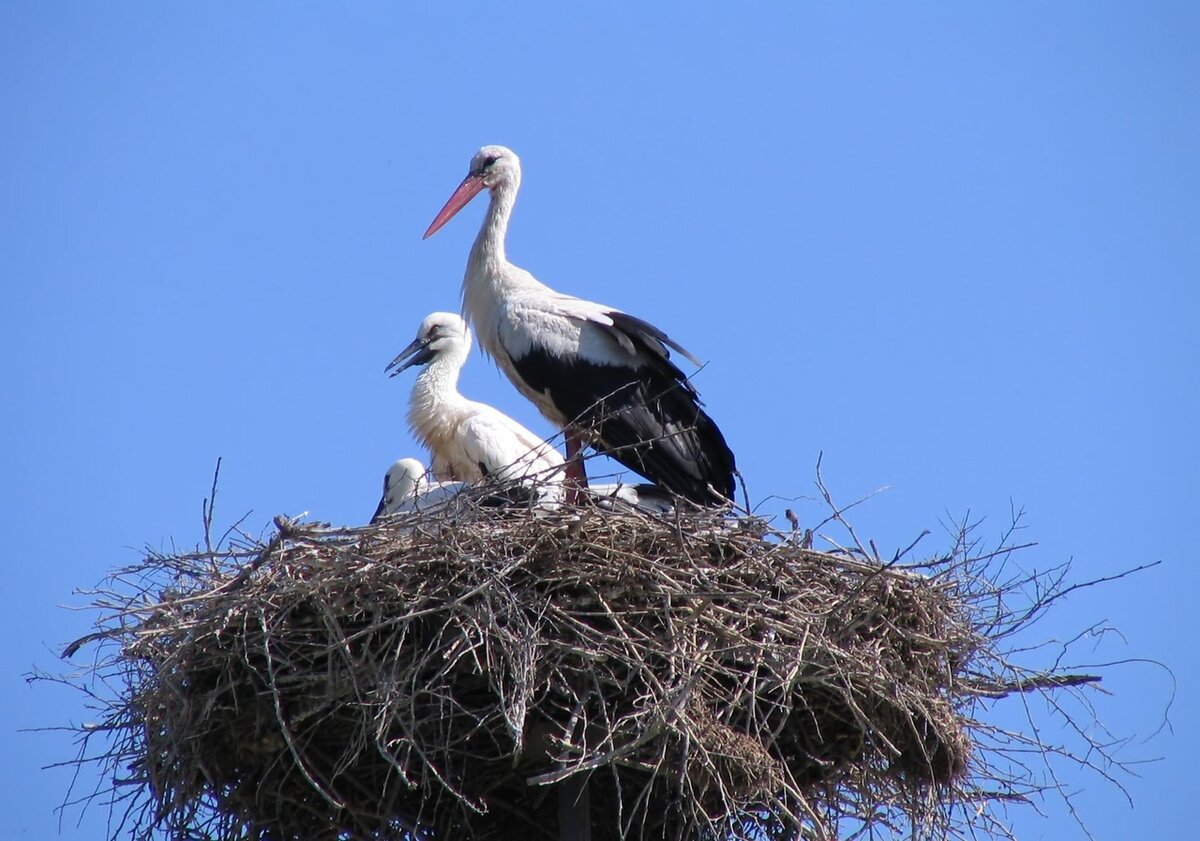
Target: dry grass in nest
column 442, row 674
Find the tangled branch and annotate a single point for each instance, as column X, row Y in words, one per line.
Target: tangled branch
column 442, row 673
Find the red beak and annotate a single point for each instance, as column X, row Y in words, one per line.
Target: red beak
column 467, row 190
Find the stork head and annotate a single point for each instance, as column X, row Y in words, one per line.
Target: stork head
column 403, row 480
column 491, row 167
column 441, row 333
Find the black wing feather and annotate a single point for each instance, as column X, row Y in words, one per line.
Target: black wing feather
column 650, row 337
column 648, row 418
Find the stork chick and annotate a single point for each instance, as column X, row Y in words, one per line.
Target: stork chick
column 468, row 441
column 406, row 488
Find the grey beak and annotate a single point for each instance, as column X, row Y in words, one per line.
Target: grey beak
column 417, row 353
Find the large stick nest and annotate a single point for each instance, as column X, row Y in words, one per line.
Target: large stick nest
column 445, row 674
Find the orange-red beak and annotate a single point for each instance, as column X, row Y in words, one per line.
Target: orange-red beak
column 467, row 190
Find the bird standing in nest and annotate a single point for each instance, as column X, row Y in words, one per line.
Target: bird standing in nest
column 603, row 376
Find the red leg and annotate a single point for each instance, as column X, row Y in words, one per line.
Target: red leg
column 576, row 478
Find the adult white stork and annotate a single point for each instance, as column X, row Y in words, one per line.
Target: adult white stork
column 604, row 376
column 468, row 441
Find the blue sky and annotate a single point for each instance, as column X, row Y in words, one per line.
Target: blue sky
column 952, row 247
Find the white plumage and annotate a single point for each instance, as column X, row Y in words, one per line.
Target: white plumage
column 406, row 489
column 649, row 498
column 467, row 440
column 604, row 376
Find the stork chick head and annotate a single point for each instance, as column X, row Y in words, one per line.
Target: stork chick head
column 440, row 334
column 403, row 479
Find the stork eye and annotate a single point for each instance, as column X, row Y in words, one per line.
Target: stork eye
column 489, row 160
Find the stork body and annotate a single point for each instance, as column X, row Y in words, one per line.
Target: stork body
column 406, row 488
column 604, row 376
column 467, row 440
column 649, row 498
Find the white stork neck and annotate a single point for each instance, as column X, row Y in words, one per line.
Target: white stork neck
column 489, row 244
column 489, row 277
column 435, row 393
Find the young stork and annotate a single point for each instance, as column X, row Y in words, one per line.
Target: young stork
column 604, row 376
column 468, row 441
column 406, row 489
